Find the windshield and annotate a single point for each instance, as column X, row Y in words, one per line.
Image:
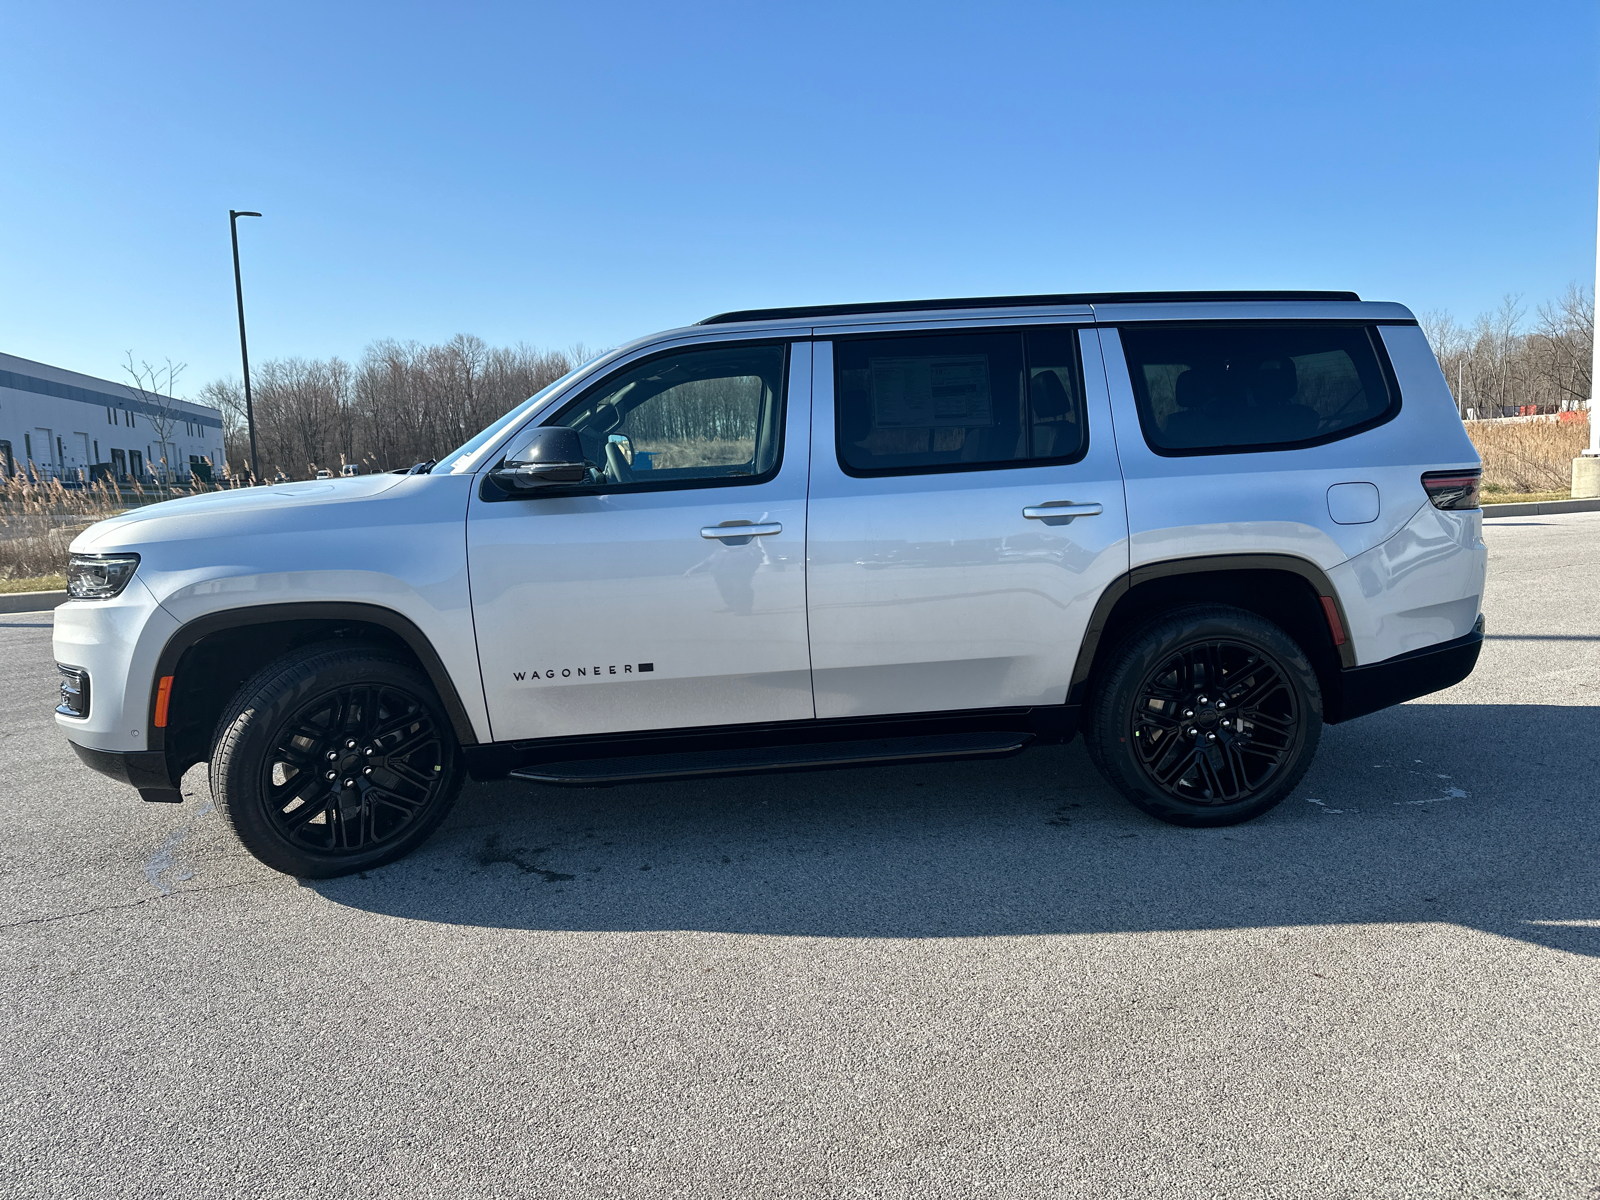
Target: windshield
column 464, row 458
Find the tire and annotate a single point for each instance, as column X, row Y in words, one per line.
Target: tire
column 390, row 788
column 1243, row 746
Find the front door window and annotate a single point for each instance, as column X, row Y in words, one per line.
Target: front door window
column 704, row 417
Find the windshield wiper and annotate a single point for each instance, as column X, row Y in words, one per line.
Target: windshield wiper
column 421, row 468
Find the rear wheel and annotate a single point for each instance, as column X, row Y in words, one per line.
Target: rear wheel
column 335, row 760
column 1207, row 716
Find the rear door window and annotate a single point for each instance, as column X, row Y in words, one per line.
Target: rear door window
column 1226, row 388
column 965, row 401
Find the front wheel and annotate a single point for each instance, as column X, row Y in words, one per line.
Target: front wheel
column 1207, row 716
column 333, row 760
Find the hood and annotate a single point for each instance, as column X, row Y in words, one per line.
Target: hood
column 242, row 507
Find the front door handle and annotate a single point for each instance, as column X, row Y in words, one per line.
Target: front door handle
column 723, row 532
column 1061, row 510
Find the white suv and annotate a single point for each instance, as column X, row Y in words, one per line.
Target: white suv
column 1194, row 527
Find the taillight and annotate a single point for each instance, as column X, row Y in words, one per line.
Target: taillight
column 1452, row 489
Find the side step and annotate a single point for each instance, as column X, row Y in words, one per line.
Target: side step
column 761, row 760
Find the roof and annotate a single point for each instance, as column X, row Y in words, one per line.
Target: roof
column 887, row 306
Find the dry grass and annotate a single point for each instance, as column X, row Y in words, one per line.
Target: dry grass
column 701, row 452
column 37, row 583
column 39, row 520
column 1528, row 456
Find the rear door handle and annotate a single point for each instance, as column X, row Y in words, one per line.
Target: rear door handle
column 723, row 532
column 1061, row 510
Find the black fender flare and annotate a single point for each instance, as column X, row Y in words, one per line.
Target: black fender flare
column 401, row 626
column 1201, row 564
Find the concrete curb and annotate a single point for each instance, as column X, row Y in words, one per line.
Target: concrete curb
column 27, row 602
column 1543, row 508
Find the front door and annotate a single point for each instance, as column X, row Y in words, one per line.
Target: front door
column 633, row 601
column 966, row 514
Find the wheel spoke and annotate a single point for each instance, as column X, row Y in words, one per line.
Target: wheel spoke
column 1264, row 684
column 383, row 726
column 410, row 774
column 1173, row 763
column 382, row 795
column 301, row 817
column 411, row 744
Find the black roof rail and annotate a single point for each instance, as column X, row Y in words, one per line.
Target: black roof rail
column 884, row 306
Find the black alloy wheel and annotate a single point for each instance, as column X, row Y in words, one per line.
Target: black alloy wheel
column 1214, row 722
column 1208, row 716
column 352, row 769
column 333, row 760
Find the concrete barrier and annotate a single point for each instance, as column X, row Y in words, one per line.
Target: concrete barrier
column 20, row 602
column 1542, row 508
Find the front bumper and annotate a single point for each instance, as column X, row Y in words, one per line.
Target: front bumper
column 117, row 642
column 144, row 769
column 1404, row 677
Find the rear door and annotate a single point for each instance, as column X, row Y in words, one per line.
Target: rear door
column 966, row 513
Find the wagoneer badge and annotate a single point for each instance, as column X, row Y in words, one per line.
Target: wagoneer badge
column 574, row 672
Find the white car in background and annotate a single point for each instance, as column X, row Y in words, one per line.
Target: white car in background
column 1194, row 528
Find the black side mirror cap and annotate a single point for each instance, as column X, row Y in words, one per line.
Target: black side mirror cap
column 552, row 457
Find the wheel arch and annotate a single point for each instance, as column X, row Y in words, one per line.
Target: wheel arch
column 1292, row 592
column 209, row 658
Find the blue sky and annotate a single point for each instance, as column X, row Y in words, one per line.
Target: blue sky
column 589, row 172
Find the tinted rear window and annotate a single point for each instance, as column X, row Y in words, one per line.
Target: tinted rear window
column 962, row 401
column 1221, row 388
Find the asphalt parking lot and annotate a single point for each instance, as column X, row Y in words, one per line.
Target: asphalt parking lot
column 961, row 980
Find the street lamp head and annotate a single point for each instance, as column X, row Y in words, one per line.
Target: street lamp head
column 232, row 213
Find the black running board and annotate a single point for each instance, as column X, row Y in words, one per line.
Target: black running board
column 761, row 760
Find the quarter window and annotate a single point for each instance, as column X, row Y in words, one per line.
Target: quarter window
column 1230, row 388
column 966, row 401
column 691, row 417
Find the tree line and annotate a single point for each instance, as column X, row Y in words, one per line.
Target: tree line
column 1502, row 364
column 401, row 403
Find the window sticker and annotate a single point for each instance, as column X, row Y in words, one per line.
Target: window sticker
column 945, row 392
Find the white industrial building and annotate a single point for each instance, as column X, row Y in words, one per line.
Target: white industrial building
column 60, row 424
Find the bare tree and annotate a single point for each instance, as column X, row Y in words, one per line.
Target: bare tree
column 227, row 395
column 154, row 386
column 403, row 402
column 1560, row 344
column 1496, row 366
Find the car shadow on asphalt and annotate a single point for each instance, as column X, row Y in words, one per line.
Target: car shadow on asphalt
column 1478, row 815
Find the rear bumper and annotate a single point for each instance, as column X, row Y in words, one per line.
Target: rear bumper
column 1395, row 680
column 143, row 769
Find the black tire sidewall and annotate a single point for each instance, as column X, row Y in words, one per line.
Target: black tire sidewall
column 248, row 732
column 1113, row 702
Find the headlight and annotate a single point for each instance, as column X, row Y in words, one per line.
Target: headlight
column 99, row 576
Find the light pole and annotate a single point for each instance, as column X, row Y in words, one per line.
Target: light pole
column 1586, row 467
column 244, row 351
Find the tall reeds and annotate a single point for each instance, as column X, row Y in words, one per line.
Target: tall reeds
column 1523, row 457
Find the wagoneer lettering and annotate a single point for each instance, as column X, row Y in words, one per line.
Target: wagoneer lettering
column 1193, row 527
column 569, row 672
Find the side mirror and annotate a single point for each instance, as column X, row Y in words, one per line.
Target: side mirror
column 554, row 456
